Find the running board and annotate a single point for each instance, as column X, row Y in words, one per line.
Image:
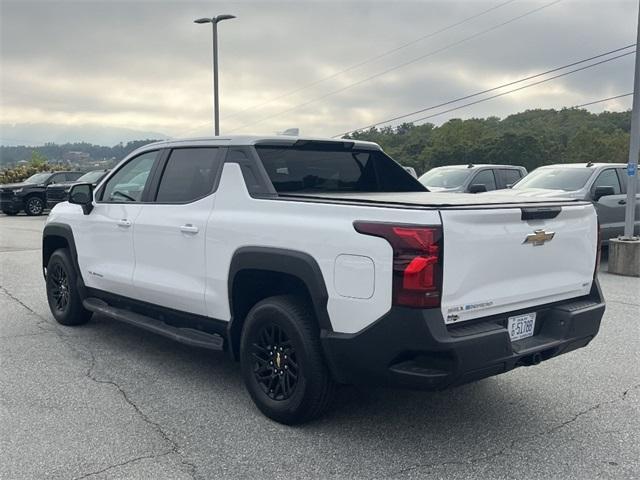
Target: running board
column 187, row 336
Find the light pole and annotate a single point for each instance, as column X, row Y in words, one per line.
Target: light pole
column 214, row 24
column 634, row 149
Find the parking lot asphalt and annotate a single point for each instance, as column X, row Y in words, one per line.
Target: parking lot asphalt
column 108, row 401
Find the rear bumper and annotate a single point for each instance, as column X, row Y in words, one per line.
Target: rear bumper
column 415, row 349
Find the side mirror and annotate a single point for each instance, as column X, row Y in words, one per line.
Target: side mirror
column 600, row 192
column 477, row 188
column 82, row 194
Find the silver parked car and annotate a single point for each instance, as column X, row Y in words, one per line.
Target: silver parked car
column 472, row 178
column 604, row 184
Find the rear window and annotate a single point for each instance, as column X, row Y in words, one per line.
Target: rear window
column 308, row 170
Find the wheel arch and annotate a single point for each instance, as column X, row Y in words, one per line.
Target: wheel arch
column 256, row 273
column 59, row 235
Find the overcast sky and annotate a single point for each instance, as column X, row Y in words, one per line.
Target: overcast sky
column 145, row 65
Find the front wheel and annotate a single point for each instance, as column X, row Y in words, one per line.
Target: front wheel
column 282, row 362
column 34, row 206
column 63, row 296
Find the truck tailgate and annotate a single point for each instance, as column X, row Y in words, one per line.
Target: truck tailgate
column 493, row 263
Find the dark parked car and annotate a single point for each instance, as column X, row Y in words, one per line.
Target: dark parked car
column 58, row 192
column 472, row 178
column 30, row 195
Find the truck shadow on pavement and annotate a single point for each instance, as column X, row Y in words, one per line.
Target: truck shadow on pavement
column 152, row 362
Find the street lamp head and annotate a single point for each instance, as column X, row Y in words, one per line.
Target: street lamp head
column 219, row 18
column 203, row 20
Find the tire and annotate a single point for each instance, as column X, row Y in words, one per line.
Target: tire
column 297, row 386
column 63, row 296
column 33, row 206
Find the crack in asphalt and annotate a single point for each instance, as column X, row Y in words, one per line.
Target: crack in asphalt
column 122, row 464
column 485, row 458
column 174, row 448
column 41, row 322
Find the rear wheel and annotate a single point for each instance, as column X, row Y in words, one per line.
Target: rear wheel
column 34, row 206
column 63, row 296
column 282, row 361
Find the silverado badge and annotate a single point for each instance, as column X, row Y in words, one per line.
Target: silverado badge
column 538, row 237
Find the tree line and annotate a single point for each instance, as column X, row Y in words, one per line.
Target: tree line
column 531, row 138
column 11, row 155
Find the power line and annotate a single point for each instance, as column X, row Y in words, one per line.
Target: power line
column 523, row 87
column 466, row 97
column 402, row 65
column 603, row 100
column 372, row 59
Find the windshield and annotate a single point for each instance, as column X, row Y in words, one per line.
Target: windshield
column 444, row 177
column 38, row 178
column 91, row 177
column 567, row 179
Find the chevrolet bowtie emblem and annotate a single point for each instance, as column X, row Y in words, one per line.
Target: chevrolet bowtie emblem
column 538, row 237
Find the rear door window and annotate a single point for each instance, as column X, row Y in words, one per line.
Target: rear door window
column 485, row 178
column 189, row 174
column 510, row 176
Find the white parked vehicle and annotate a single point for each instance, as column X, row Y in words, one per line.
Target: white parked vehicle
column 320, row 262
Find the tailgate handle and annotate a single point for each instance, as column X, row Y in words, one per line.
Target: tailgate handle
column 540, row 213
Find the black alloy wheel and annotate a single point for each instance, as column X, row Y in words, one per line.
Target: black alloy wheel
column 34, row 206
column 275, row 365
column 59, row 288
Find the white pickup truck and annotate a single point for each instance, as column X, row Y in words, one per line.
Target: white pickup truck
column 323, row 262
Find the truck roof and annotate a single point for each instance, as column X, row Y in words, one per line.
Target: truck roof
column 584, row 165
column 478, row 165
column 244, row 140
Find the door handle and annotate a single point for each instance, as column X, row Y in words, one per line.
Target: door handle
column 124, row 223
column 622, row 202
column 188, row 228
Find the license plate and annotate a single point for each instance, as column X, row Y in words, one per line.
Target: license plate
column 521, row 326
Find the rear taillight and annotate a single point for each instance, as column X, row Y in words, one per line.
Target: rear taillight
column 417, row 261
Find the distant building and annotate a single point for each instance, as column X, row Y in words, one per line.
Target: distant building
column 76, row 157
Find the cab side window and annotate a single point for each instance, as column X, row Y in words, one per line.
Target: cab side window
column 510, row 176
column 58, row 178
column 485, row 178
column 190, row 174
column 607, row 178
column 128, row 183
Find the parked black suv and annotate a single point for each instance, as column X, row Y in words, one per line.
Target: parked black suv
column 59, row 192
column 30, row 195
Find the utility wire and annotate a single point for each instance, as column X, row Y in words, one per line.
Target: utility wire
column 466, row 97
column 372, row 59
column 523, row 87
column 401, row 65
column 603, row 100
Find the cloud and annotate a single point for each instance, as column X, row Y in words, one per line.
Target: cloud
column 145, row 65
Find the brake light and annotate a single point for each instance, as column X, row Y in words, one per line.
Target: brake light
column 417, row 261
